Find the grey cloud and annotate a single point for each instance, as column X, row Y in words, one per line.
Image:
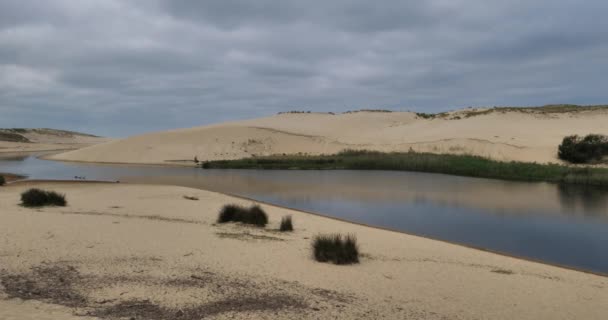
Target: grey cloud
column 123, row 67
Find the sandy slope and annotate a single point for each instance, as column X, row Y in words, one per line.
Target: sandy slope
column 133, row 248
column 499, row 135
column 44, row 140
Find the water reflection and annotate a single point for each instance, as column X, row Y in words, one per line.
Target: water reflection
column 592, row 201
column 563, row 224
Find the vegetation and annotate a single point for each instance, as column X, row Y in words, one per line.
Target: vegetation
column 2, row 181
column 547, row 109
column 40, row 198
column 12, row 137
column 589, row 149
column 370, row 110
column 336, row 248
column 294, row 111
column 254, row 215
column 462, row 165
column 286, row 224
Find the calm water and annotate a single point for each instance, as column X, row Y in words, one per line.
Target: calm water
column 563, row 225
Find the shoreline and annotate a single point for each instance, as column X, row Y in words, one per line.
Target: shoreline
column 319, row 214
column 151, row 164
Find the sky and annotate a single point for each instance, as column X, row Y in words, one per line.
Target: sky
column 122, row 67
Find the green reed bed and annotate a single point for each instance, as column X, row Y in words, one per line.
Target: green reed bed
column 462, row 165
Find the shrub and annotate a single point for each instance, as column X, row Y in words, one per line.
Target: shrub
column 2, row 181
column 254, row 215
column 336, row 248
column 286, row 224
column 588, row 149
column 39, row 198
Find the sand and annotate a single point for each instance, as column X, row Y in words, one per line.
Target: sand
column 504, row 135
column 127, row 250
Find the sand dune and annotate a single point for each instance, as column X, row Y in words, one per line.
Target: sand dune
column 502, row 134
column 136, row 250
column 32, row 140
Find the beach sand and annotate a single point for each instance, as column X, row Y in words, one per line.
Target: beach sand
column 531, row 136
column 144, row 251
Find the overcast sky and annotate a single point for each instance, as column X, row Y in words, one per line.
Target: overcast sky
column 121, row 67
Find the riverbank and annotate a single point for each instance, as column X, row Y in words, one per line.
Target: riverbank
column 180, row 262
column 9, row 177
column 461, row 165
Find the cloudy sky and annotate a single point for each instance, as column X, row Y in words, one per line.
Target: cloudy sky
column 121, row 67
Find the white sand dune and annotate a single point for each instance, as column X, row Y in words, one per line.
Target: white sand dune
column 498, row 134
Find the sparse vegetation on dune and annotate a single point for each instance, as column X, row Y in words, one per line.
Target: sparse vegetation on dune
column 12, row 137
column 286, row 224
column 294, row 112
column 253, row 215
column 40, row 198
column 547, row 109
column 336, row 248
column 462, row 165
column 369, row 110
column 592, row 148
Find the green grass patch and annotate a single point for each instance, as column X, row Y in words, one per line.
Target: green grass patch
column 461, row 165
column 40, row 198
column 335, row 248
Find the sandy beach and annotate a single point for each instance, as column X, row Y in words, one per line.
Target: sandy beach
column 144, row 251
column 505, row 135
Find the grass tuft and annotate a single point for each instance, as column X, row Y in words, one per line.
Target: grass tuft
column 336, row 248
column 254, row 215
column 40, row 198
column 286, row 224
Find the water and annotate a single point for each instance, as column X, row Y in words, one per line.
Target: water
column 547, row 222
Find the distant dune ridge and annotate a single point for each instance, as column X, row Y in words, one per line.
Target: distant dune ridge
column 521, row 134
column 43, row 139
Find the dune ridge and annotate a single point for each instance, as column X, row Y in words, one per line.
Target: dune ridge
column 505, row 134
column 44, row 139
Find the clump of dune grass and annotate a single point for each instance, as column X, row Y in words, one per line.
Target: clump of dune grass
column 254, row 215
column 2, row 181
column 40, row 198
column 286, row 224
column 336, row 248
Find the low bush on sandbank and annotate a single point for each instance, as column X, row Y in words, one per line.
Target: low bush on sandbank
column 336, row 248
column 40, row 198
column 2, row 181
column 286, row 224
column 254, row 215
column 592, row 148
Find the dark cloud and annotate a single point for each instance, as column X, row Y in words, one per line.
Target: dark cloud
column 122, row 67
